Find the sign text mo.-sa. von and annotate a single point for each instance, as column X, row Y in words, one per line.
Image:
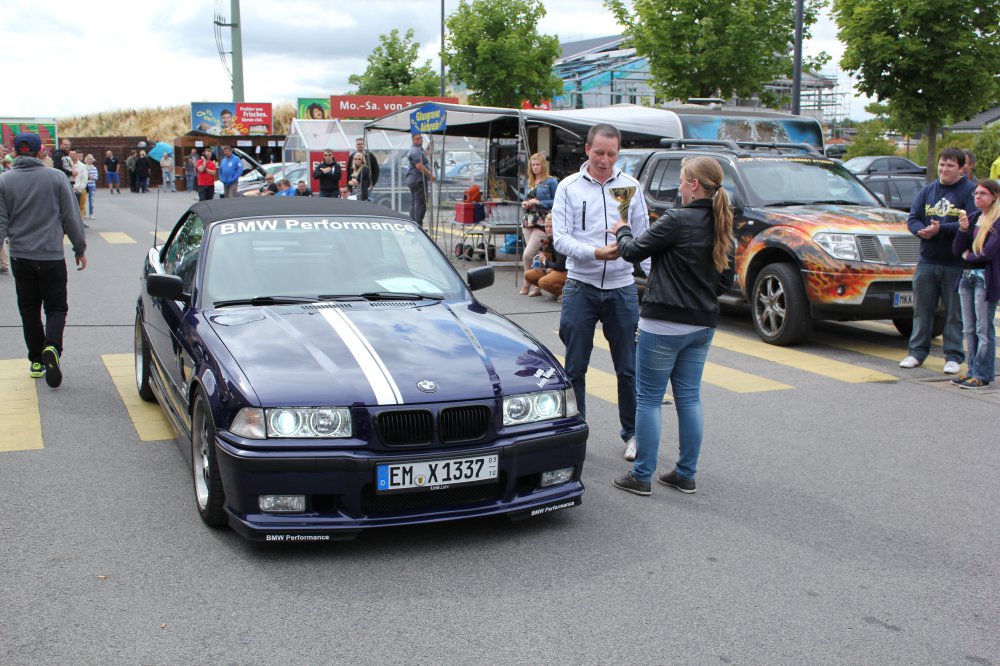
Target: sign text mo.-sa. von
column 374, row 106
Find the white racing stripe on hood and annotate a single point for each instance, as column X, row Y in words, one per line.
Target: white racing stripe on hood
column 381, row 381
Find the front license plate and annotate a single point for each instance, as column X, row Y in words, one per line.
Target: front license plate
column 435, row 474
column 902, row 299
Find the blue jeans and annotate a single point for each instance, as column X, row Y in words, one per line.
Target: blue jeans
column 91, row 190
column 191, row 181
column 977, row 325
column 618, row 311
column 931, row 283
column 168, row 181
column 681, row 359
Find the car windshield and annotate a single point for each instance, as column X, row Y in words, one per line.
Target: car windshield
column 265, row 261
column 802, row 180
column 629, row 163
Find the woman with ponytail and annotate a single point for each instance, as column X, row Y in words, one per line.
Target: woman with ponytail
column 691, row 249
column 978, row 243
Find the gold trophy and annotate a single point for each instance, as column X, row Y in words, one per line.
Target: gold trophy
column 623, row 195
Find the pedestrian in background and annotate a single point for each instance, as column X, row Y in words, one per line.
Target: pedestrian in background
column 80, row 176
column 599, row 284
column 191, row 170
column 327, row 173
column 978, row 244
column 207, row 169
column 302, row 190
column 130, row 165
column 37, row 209
column 61, row 159
column 370, row 161
column 548, row 267
column 537, row 204
column 970, row 166
column 934, row 219
column 142, row 166
column 111, row 173
column 167, row 168
column 91, row 183
column 230, row 170
column 417, row 175
column 360, row 179
column 691, row 249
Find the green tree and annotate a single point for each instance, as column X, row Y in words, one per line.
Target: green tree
column 927, row 60
column 494, row 48
column 392, row 69
column 705, row 48
column 987, row 149
column 870, row 140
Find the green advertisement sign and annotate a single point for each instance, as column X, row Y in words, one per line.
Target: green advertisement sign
column 313, row 108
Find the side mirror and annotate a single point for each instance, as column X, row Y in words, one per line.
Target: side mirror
column 479, row 278
column 167, row 286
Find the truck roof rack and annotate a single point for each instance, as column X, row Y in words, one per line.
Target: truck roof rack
column 737, row 145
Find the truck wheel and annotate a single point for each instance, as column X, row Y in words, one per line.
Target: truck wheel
column 905, row 326
column 780, row 308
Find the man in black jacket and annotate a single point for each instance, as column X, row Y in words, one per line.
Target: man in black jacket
column 370, row 161
column 60, row 159
column 327, row 173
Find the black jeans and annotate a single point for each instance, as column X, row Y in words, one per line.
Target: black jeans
column 418, row 201
column 41, row 284
column 206, row 192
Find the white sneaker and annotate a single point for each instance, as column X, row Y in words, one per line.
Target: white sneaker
column 910, row 362
column 630, row 449
column 951, row 368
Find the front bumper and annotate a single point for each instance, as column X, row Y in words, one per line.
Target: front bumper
column 340, row 486
column 850, row 296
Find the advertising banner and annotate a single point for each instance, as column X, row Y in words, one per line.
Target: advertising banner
column 428, row 118
column 232, row 118
column 313, row 108
column 376, row 106
column 44, row 128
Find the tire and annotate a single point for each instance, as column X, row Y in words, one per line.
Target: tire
column 780, row 308
column 905, row 326
column 208, row 493
column 141, row 353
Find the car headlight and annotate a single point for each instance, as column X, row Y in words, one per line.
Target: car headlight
column 249, row 423
column 841, row 246
column 326, row 422
column 531, row 407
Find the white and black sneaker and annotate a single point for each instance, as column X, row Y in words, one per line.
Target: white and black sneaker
column 630, row 449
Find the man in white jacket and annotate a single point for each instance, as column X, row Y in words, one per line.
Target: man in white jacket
column 599, row 284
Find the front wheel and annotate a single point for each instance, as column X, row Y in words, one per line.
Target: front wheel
column 905, row 326
column 208, row 491
column 780, row 307
column 142, row 362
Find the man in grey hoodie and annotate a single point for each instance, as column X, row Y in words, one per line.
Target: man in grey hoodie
column 37, row 207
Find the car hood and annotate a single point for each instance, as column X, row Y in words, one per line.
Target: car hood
column 382, row 353
column 814, row 218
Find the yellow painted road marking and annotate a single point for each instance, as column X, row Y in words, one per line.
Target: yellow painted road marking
column 871, row 349
column 600, row 384
column 22, row 423
column 147, row 417
column 161, row 235
column 793, row 358
column 116, row 237
column 730, row 379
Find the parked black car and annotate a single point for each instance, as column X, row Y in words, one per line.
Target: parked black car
column 867, row 164
column 897, row 190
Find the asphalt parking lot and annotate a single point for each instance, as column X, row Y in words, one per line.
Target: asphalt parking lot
column 846, row 513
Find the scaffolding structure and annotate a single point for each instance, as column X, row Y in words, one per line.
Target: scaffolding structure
column 600, row 72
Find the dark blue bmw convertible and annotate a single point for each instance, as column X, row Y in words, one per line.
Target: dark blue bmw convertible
column 329, row 371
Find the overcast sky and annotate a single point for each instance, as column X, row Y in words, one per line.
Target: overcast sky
column 83, row 57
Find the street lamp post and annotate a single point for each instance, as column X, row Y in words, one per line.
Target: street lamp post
column 797, row 59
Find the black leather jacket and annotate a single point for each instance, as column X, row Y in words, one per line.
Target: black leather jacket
column 683, row 284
